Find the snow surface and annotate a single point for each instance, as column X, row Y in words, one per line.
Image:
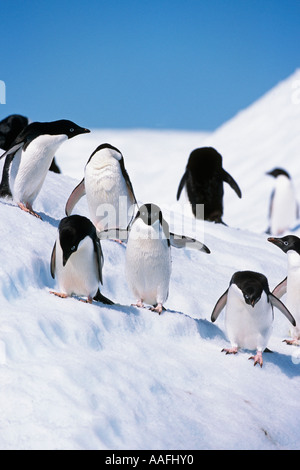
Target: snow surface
column 79, row 376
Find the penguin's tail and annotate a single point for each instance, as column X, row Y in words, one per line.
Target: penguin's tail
column 101, row 298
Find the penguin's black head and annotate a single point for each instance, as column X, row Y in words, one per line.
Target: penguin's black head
column 251, row 284
column 287, row 243
column 252, row 294
column 277, row 172
column 72, row 230
column 204, row 162
column 150, row 213
column 63, row 126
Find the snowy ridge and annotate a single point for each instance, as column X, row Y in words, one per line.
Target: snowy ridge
column 78, row 376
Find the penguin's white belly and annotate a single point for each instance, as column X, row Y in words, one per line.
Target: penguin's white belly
column 293, row 295
column 248, row 327
column 107, row 196
column 29, row 168
column 284, row 206
column 148, row 269
column 79, row 276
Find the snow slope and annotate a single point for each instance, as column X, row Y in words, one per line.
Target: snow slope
column 79, row 376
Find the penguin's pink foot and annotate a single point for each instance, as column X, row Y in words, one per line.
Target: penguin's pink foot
column 89, row 300
column 59, row 294
column 230, row 350
column 139, row 304
column 257, row 358
column 28, row 208
column 292, row 342
column 158, row 308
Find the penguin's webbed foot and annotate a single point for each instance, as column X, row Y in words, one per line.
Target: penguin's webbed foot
column 230, row 350
column 257, row 358
column 138, row 304
column 292, row 342
column 28, row 208
column 59, row 294
column 89, row 300
column 158, row 308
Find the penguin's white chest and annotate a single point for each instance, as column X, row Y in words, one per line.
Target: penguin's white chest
column 107, row 193
column 248, row 327
column 148, row 264
column 29, row 168
column 284, row 206
column 293, row 286
column 80, row 275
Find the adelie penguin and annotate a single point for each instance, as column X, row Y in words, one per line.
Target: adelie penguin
column 290, row 285
column 148, row 255
column 203, row 179
column 10, row 128
column 249, row 313
column 77, row 260
column 29, row 158
column 283, row 209
column 108, row 189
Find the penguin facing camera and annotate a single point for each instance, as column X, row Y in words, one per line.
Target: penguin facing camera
column 203, row 179
column 148, row 255
column 28, row 159
column 290, row 244
column 249, row 313
column 108, row 189
column 77, row 260
column 283, row 208
column 10, row 128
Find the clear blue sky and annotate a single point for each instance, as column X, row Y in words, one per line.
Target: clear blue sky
column 176, row 64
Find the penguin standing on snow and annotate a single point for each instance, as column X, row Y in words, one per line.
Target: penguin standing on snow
column 249, row 313
column 77, row 260
column 283, row 210
column 203, row 180
column 108, row 189
column 10, row 128
column 290, row 286
column 29, row 158
column 148, row 256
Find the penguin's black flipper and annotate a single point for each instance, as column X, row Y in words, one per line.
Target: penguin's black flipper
column 219, row 306
column 181, row 185
column 101, row 298
column 227, row 178
column 181, row 241
column 74, row 197
column 278, row 304
column 53, row 262
column 280, row 289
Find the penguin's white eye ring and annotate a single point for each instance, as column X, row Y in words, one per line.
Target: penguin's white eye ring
column 286, row 243
column 72, row 129
column 246, row 296
column 73, row 248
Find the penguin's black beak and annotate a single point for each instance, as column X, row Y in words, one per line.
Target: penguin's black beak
column 83, row 130
column 275, row 241
column 66, row 256
column 254, row 301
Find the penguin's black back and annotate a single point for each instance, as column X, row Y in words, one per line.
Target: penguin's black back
column 204, row 182
column 10, row 127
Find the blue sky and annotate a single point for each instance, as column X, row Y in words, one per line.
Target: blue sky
column 188, row 64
